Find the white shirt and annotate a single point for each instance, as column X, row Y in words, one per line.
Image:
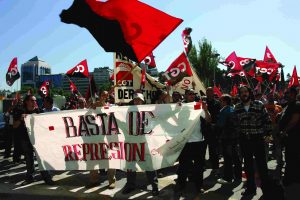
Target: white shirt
column 197, row 135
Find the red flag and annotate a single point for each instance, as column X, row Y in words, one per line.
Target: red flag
column 12, row 72
column 44, row 89
column 217, row 91
column 233, row 62
column 73, row 88
column 234, row 90
column 187, row 39
column 149, row 60
column 252, row 72
column 92, row 89
column 130, row 27
column 143, row 78
column 258, row 88
column 179, row 69
column 265, row 67
column 294, row 79
column 236, row 73
column 269, row 56
column 81, row 70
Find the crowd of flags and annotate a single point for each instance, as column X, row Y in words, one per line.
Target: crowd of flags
column 135, row 29
column 257, row 73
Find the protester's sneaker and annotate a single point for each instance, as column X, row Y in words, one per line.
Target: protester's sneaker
column 201, row 190
column 127, row 190
column 249, row 192
column 112, row 185
column 223, row 181
column 27, row 181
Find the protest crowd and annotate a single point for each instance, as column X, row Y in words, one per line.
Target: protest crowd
column 234, row 135
column 244, row 134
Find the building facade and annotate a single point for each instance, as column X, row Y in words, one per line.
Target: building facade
column 31, row 70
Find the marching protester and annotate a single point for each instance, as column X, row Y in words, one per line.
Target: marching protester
column 48, row 105
column 289, row 126
column 214, row 108
column 229, row 141
column 29, row 107
column 254, row 126
column 274, row 110
column 192, row 156
column 81, row 104
column 111, row 173
column 131, row 175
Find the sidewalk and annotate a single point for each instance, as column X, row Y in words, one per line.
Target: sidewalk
column 71, row 185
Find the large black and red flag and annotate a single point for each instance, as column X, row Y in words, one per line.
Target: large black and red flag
column 44, row 89
column 12, row 72
column 235, row 63
column 129, row 27
column 149, row 60
column 80, row 70
column 269, row 57
column 294, row 81
column 187, row 39
column 179, row 69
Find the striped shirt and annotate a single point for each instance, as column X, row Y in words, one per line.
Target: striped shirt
column 255, row 121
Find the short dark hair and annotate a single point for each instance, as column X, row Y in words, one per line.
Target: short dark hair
column 226, row 98
column 248, row 88
column 48, row 99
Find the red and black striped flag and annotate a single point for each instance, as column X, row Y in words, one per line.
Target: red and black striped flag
column 129, row 27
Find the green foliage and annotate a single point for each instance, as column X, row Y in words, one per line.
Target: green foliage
column 205, row 61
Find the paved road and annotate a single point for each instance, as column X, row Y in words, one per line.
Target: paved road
column 71, row 185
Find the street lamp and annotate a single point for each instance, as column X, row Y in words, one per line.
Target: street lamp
column 214, row 55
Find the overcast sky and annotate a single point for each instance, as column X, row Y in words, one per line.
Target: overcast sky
column 33, row 28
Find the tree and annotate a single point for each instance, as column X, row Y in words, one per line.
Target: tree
column 205, row 61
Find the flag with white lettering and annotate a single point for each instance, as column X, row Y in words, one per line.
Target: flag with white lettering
column 179, row 69
column 149, row 61
column 269, row 57
column 12, row 72
column 187, row 39
column 44, row 89
column 80, row 70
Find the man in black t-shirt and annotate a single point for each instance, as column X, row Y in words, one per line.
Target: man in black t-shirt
column 289, row 126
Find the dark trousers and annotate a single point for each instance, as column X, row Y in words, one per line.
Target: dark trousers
column 29, row 159
column 232, row 160
column 8, row 140
column 213, row 147
column 254, row 146
column 151, row 176
column 192, row 159
column 292, row 159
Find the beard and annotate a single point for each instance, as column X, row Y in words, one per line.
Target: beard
column 245, row 99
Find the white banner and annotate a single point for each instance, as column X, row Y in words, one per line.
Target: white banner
column 145, row 137
column 125, row 90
